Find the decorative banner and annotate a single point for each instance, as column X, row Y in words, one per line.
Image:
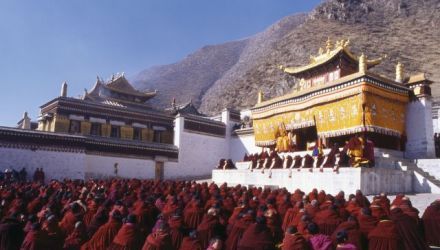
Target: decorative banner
column 340, row 117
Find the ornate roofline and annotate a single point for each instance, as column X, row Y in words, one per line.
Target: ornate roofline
column 330, row 54
column 12, row 136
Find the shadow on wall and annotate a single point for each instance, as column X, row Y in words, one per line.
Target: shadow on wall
column 421, row 184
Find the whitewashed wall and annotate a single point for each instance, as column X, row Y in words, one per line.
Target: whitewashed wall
column 56, row 165
column 242, row 144
column 419, row 129
column 97, row 166
column 198, row 153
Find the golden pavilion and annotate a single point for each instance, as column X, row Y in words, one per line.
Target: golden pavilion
column 338, row 96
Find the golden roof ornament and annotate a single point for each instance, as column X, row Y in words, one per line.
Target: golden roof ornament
column 260, row 96
column 362, row 63
column 320, row 51
column 399, row 72
column 329, row 45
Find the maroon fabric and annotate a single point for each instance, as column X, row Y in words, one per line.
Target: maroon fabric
column 127, row 238
column 236, row 233
column 295, row 242
column 158, row 241
column 103, row 237
column 408, row 230
column 384, row 237
column 75, row 239
column 11, row 235
column 35, row 240
column 353, row 232
column 256, row 237
column 176, row 231
column 206, row 228
column 327, row 221
column 190, row 244
column 431, row 223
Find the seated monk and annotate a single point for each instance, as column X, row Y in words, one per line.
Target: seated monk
column 257, row 237
column 229, row 164
column 246, row 157
column 297, row 162
column 408, row 230
column 356, row 151
column 384, row 236
column 255, row 161
column 317, row 240
column 105, row 234
column 308, row 162
column 221, row 163
column 238, row 229
column 293, row 240
column 128, row 236
column 191, row 242
column 431, row 223
column 369, row 152
column 342, row 242
column 344, row 159
column 276, row 162
column 353, row 233
column 318, row 155
column 35, row 239
column 159, row 239
column 327, row 220
column 76, row 238
column 331, row 158
column 287, row 162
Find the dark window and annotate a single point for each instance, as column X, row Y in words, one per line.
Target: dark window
column 157, row 136
column 95, row 129
column 75, row 127
column 137, row 134
column 115, row 132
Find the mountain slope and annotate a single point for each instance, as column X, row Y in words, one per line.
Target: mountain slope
column 406, row 30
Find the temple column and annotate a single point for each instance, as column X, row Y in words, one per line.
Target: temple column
column 419, row 127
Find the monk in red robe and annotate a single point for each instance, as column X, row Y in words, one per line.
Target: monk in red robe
column 102, row 239
column 384, row 237
column 294, row 240
column 408, row 230
column 55, row 234
column 67, row 224
column 257, row 237
column 36, row 239
column 431, row 223
column 159, row 240
column 175, row 223
column 128, row 236
column 318, row 240
column 238, row 229
column 191, row 242
column 367, row 222
column 327, row 220
column 208, row 227
column 351, row 227
column 193, row 213
column 76, row 238
column 11, row 233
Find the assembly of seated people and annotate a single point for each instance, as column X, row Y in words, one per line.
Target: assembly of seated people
column 147, row 214
column 357, row 152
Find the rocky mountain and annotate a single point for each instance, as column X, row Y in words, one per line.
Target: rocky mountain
column 230, row 74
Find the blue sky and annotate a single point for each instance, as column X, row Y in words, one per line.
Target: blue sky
column 46, row 42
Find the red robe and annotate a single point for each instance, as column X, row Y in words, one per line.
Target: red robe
column 103, row 237
column 67, row 224
column 256, row 237
column 353, row 232
column 295, row 242
column 408, row 230
column 431, row 223
column 158, row 240
column 236, row 233
column 35, row 240
column 176, row 231
column 127, row 238
column 384, row 237
column 206, row 228
column 190, row 244
column 192, row 215
column 75, row 239
column 327, row 221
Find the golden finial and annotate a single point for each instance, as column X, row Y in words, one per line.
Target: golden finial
column 362, row 63
column 321, row 51
column 346, row 43
column 399, row 72
column 329, row 45
column 260, row 96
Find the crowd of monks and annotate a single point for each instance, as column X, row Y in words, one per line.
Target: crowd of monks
column 151, row 215
column 356, row 152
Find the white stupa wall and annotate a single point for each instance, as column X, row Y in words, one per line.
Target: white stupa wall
column 419, row 129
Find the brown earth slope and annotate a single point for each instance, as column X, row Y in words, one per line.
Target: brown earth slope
column 405, row 30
